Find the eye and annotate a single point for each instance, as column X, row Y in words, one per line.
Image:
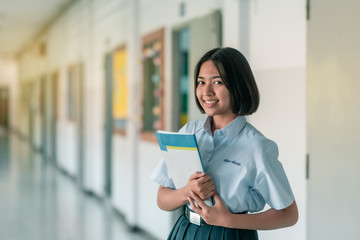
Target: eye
column 218, row 82
column 200, row 82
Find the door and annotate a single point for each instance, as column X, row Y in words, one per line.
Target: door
column 205, row 34
column 190, row 42
column 31, row 110
column 81, row 125
column 53, row 116
column 43, row 119
column 181, row 77
column 108, row 121
column 333, row 125
column 4, row 108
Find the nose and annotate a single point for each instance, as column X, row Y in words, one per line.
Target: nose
column 208, row 90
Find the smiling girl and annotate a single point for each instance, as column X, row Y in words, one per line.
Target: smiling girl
column 241, row 168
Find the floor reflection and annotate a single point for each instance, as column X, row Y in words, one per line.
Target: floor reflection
column 38, row 202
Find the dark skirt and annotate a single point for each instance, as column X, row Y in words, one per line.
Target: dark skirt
column 183, row 229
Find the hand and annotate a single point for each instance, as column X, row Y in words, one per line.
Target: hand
column 216, row 215
column 201, row 184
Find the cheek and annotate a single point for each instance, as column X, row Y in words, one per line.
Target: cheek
column 198, row 95
column 226, row 97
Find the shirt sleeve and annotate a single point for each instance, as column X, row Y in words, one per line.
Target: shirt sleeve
column 161, row 175
column 271, row 180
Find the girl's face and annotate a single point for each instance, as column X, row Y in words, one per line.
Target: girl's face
column 213, row 95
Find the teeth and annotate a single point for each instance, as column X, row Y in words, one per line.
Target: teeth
column 210, row 102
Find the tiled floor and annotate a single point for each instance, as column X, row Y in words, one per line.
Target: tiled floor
column 37, row 202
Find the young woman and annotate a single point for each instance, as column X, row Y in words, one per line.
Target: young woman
column 241, row 168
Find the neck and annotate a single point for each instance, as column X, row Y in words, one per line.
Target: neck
column 219, row 122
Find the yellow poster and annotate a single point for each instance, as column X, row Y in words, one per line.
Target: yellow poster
column 120, row 91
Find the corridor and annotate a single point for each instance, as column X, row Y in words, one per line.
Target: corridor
column 38, row 202
column 85, row 85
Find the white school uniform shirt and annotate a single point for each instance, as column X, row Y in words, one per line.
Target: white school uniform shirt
column 243, row 164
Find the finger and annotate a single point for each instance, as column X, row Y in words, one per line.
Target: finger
column 207, row 193
column 208, row 184
column 200, row 203
column 217, row 198
column 196, row 175
column 208, row 187
column 193, row 206
column 204, row 179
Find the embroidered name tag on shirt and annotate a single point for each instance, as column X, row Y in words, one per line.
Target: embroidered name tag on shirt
column 232, row 161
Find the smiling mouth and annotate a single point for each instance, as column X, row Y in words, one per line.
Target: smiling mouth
column 211, row 102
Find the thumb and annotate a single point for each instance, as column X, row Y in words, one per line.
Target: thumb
column 217, row 198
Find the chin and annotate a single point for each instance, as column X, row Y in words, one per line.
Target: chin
column 210, row 114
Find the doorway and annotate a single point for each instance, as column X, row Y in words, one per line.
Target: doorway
column 31, row 110
column 4, row 108
column 181, row 79
column 54, row 116
column 108, row 122
column 43, row 120
column 190, row 41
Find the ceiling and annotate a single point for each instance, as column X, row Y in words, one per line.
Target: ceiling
column 23, row 20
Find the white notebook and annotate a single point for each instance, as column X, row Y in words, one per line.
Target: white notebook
column 181, row 155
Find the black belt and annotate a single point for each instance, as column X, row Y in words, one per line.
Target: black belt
column 195, row 218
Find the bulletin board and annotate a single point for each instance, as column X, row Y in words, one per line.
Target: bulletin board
column 120, row 89
column 153, row 84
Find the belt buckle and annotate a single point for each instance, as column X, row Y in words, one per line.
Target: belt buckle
column 195, row 218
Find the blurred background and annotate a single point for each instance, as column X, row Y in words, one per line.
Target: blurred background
column 85, row 83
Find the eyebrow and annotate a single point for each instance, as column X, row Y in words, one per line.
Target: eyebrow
column 213, row 77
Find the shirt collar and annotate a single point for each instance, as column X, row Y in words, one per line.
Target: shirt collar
column 207, row 125
column 231, row 130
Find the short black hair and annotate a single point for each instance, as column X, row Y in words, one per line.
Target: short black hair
column 237, row 76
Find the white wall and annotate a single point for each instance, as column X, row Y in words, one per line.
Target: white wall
column 275, row 48
column 281, row 117
column 333, row 120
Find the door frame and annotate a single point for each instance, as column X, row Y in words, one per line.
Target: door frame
column 108, row 131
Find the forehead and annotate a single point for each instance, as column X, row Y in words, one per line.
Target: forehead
column 208, row 69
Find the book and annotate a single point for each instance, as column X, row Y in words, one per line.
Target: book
column 181, row 155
